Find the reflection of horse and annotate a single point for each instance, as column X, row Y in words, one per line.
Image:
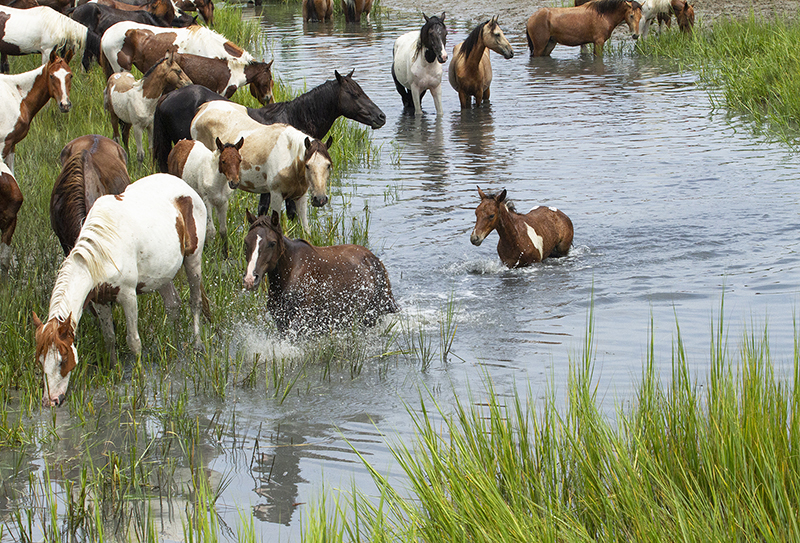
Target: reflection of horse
column 684, row 14
column 354, row 8
column 315, row 289
column 592, row 22
column 317, row 10
column 524, row 239
column 470, row 69
column 131, row 243
column 23, row 95
column 10, row 202
column 417, row 60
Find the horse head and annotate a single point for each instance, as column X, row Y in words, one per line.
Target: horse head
column 206, row 9
column 230, row 161
column 633, row 14
column 495, row 40
column 259, row 74
column 487, row 215
column 164, row 76
column 355, row 104
column 433, row 38
column 263, row 247
column 56, row 352
column 685, row 16
column 317, row 162
column 163, row 9
column 59, row 79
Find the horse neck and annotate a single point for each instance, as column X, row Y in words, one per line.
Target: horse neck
column 280, row 274
column 318, row 108
column 614, row 18
column 32, row 87
column 507, row 224
column 476, row 54
column 73, row 285
column 152, row 87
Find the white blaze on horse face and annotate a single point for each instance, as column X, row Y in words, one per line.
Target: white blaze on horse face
column 249, row 276
column 318, row 170
column 61, row 75
column 55, row 386
column 536, row 239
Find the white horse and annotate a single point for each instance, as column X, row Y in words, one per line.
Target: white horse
column 417, row 61
column 131, row 243
column 213, row 174
column 650, row 10
column 277, row 159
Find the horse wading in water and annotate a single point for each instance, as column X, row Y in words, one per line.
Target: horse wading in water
column 417, row 60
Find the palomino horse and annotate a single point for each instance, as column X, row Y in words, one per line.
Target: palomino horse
column 213, row 174
column 592, row 22
column 317, row 10
column 131, row 243
column 276, row 158
column 315, row 289
column 43, row 30
column 203, row 7
column 470, row 69
column 10, row 202
column 133, row 102
column 524, row 239
column 684, row 14
column 23, row 95
column 417, row 60
column 354, row 8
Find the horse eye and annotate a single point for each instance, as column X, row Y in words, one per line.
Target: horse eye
column 491, row 216
column 271, row 244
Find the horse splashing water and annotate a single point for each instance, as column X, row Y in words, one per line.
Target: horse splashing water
column 417, row 60
column 10, row 202
column 524, row 239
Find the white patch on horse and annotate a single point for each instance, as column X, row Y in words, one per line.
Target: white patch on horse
column 534, row 208
column 536, row 239
column 553, row 209
column 251, row 264
column 61, row 74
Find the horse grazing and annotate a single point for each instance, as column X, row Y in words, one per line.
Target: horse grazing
column 317, row 10
column 313, row 112
column 43, row 30
column 592, row 22
column 354, row 8
column 23, row 95
column 133, row 102
column 213, row 174
column 315, row 289
column 524, row 239
column 276, row 158
column 10, row 202
column 203, row 7
column 417, row 60
column 470, row 70
column 684, row 14
column 131, row 243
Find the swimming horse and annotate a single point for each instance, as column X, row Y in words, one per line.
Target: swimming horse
column 131, row 243
column 417, row 60
column 10, row 202
column 470, row 70
column 524, row 239
column 592, row 22
column 315, row 289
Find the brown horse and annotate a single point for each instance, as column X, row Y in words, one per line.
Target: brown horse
column 354, row 8
column 163, row 9
column 524, row 239
column 592, row 22
column 10, row 202
column 684, row 14
column 315, row 289
column 19, row 4
column 470, row 69
column 317, row 10
column 203, row 7
column 224, row 76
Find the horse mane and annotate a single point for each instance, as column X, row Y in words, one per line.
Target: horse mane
column 433, row 20
column 153, row 67
column 56, row 24
column 69, row 197
column 508, row 203
column 605, row 6
column 472, row 39
column 206, row 33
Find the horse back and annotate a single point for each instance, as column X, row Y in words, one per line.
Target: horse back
column 554, row 227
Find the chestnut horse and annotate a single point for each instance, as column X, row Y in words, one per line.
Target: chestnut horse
column 225, row 76
column 315, row 289
column 354, row 8
column 684, row 14
column 10, row 202
column 203, row 7
column 470, row 69
column 592, row 22
column 524, row 239
column 317, row 10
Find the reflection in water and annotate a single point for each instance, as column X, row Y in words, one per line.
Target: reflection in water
column 473, row 133
column 420, row 139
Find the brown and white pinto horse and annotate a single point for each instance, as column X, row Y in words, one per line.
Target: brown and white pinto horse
column 470, row 69
column 684, row 14
column 203, row 7
column 131, row 243
column 354, row 8
column 23, row 95
column 224, row 76
column 524, row 239
column 317, row 10
column 592, row 22
column 315, row 289
column 10, row 202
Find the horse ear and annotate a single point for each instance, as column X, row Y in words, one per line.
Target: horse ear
column 68, row 56
column 442, row 17
column 37, row 322
column 329, row 143
column 219, row 143
column 269, row 64
column 338, row 76
column 239, row 143
column 351, row 72
column 53, row 55
column 276, row 220
column 481, row 194
column 307, row 142
column 65, row 328
column 425, row 17
column 250, row 217
column 501, row 197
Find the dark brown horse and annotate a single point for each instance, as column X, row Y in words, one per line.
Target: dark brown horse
column 20, row 4
column 593, row 22
column 684, row 14
column 225, row 76
column 317, row 10
column 10, row 202
column 203, row 7
column 354, row 8
column 315, row 289
column 524, row 239
column 163, row 9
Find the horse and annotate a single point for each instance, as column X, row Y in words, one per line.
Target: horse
column 315, row 289
column 225, row 76
column 98, row 17
column 161, row 9
column 313, row 112
column 592, row 22
column 19, row 4
column 43, row 30
column 276, row 158
column 10, row 202
column 203, row 7
column 61, row 6
column 684, row 14
column 131, row 243
column 470, row 70
column 524, row 239
column 128, row 44
column 417, row 60
column 317, row 10
column 134, row 102
column 213, row 174
column 23, row 95
column 354, row 8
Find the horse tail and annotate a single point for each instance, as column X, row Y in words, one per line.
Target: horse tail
column 91, row 50
column 528, row 36
column 162, row 144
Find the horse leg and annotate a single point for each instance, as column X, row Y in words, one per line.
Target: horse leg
column 465, row 99
column 644, row 25
column 210, row 230
column 598, row 48
column 222, row 217
column 486, row 94
column 4, row 66
column 264, row 204
column 417, row 99
column 192, row 265
column 404, row 93
column 437, row 100
column 127, row 298
column 302, row 211
column 104, row 316
column 172, row 304
column 138, row 134
column 291, row 209
column 548, row 48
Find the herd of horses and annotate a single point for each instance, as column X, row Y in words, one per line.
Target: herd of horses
column 121, row 239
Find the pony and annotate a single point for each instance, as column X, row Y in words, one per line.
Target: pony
column 23, row 95
column 133, row 102
column 213, row 174
column 276, row 158
column 684, row 14
column 354, row 8
column 592, row 22
column 470, row 70
column 43, row 30
column 524, row 239
column 315, row 289
column 225, row 76
column 417, row 60
column 313, row 112
column 10, row 202
column 131, row 243
column 317, row 10
column 203, row 7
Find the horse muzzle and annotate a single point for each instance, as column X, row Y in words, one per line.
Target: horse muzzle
column 233, row 183
column 251, row 281
column 635, row 36
column 65, row 106
column 319, row 201
column 508, row 54
column 378, row 120
column 442, row 57
column 47, row 401
column 475, row 239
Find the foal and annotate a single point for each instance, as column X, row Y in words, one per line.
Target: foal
column 524, row 239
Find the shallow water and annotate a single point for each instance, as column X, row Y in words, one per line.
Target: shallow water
column 673, row 204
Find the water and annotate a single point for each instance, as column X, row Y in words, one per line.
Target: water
column 673, row 204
